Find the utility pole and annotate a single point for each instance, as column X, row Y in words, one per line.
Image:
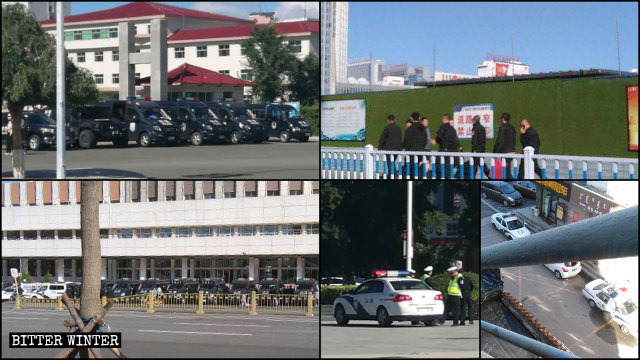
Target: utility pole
column 513, row 66
column 60, row 106
column 409, row 223
column 618, row 41
column 434, row 63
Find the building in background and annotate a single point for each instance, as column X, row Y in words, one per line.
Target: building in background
column 366, row 69
column 501, row 65
column 166, row 229
column 334, row 28
column 410, row 74
column 445, row 76
column 43, row 10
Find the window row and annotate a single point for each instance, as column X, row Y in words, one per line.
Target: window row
column 133, row 191
column 172, row 232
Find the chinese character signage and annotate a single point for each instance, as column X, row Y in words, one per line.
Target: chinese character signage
column 343, row 120
column 632, row 117
column 561, row 188
column 592, row 202
column 463, row 119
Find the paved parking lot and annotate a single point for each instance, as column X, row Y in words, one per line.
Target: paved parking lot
column 268, row 160
column 367, row 339
column 180, row 335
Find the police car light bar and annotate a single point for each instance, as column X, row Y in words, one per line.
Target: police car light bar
column 390, row 273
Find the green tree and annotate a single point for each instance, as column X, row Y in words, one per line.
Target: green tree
column 48, row 278
column 25, row 277
column 311, row 113
column 269, row 59
column 304, row 78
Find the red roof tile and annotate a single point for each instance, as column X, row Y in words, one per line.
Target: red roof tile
column 242, row 31
column 191, row 74
column 142, row 9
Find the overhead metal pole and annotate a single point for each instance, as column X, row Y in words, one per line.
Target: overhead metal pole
column 524, row 342
column 618, row 42
column 60, row 98
column 605, row 236
column 409, row 223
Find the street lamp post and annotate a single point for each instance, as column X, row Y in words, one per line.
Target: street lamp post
column 409, row 224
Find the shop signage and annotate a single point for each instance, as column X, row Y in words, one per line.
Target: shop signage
column 592, row 201
column 561, row 188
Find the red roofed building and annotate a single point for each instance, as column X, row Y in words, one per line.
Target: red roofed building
column 192, row 81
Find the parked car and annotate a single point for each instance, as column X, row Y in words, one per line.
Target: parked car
column 509, row 225
column 565, row 270
column 279, row 120
column 38, row 130
column 52, row 290
column 501, row 192
column 6, row 295
column 94, row 123
column 243, row 286
column 270, row 286
column 125, row 287
column 614, row 301
column 304, row 285
column 332, row 281
column 525, row 188
column 240, row 126
column 196, row 123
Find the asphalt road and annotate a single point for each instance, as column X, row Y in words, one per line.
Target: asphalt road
column 365, row 339
column 560, row 306
column 180, row 335
column 268, row 160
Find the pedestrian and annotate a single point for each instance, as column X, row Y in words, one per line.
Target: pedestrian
column 529, row 137
column 478, row 143
column 426, row 277
column 9, row 138
column 466, row 286
column 427, row 133
column 414, row 140
column 412, row 273
column 506, row 141
column 454, row 295
column 448, row 143
column 390, row 139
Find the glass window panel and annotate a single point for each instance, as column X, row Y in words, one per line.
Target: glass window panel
column 125, row 233
column 269, row 230
column 204, row 231
column 225, row 231
column 64, row 234
column 183, row 232
column 313, row 228
column 143, row 233
column 292, row 229
column 247, row 230
column 163, row 232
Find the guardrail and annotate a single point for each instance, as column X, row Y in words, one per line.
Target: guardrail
column 199, row 302
column 367, row 163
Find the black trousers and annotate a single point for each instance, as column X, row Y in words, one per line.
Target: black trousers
column 466, row 305
column 453, row 305
column 9, row 143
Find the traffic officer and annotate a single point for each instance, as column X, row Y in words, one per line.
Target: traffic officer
column 426, row 277
column 454, row 295
column 412, row 273
column 466, row 286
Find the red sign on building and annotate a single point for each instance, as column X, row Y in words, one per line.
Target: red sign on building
column 502, row 69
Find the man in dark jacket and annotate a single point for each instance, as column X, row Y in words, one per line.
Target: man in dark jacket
column 506, row 141
column 529, row 137
column 391, row 139
column 448, row 142
column 414, row 139
column 466, row 286
column 478, row 143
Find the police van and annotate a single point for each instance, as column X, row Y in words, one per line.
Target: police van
column 240, row 127
column 37, row 130
column 391, row 295
column 280, row 120
column 195, row 123
column 92, row 123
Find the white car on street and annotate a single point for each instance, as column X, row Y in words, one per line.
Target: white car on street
column 615, row 302
column 565, row 270
column 390, row 296
column 6, row 295
column 509, row 225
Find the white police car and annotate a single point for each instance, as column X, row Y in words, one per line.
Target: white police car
column 614, row 301
column 390, row 296
column 565, row 270
column 509, row 225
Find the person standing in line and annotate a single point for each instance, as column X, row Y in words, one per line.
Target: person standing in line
column 447, row 142
column 529, row 137
column 414, row 140
column 506, row 141
column 478, row 143
column 390, row 139
column 427, row 133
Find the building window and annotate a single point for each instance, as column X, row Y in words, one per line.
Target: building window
column 163, row 233
column 178, row 53
column 250, row 188
column 98, row 56
column 47, row 234
column 224, row 72
column 316, row 187
column 115, row 78
column 170, row 190
column 223, row 50
column 143, row 233
column 78, row 233
column 296, row 46
column 13, row 235
column 295, row 187
column 247, row 99
column 225, row 231
column 65, row 234
column 77, row 35
column 229, row 189
column 99, row 78
column 115, row 55
column 95, row 34
column 125, row 233
column 30, row 235
column 202, row 51
column 104, row 33
column 291, row 229
column 247, row 230
column 227, row 94
column 149, row 29
column 137, row 76
column 273, row 188
column 243, row 49
column 152, row 190
column 246, row 74
column 86, row 35
column 313, row 229
column 183, row 232
column 113, row 32
column 188, row 189
column 206, row 231
column 68, row 35
column 208, row 189
column 81, row 57
column 104, row 233
column 269, row 230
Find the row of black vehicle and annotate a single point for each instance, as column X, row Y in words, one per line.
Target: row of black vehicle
column 508, row 193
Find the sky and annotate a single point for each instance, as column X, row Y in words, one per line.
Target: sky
column 283, row 10
column 547, row 36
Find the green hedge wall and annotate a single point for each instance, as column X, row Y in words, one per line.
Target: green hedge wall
column 440, row 282
column 585, row 116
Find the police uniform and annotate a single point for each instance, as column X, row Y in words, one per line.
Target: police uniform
column 454, row 296
column 426, row 278
column 465, row 303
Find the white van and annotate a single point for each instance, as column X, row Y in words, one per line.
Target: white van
column 53, row 290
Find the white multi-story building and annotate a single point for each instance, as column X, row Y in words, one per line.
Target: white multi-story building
column 166, row 229
column 410, row 74
column 210, row 41
column 368, row 69
column 445, row 76
column 492, row 68
column 334, row 28
column 43, row 10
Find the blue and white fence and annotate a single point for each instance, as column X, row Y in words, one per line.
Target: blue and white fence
column 367, row 163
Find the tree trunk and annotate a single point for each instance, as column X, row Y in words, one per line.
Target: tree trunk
column 91, row 259
column 17, row 157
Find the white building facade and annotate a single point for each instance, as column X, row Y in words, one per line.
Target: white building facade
column 166, row 229
column 368, row 69
column 334, row 29
column 43, row 10
column 445, row 76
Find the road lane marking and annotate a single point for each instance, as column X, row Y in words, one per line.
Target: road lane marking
column 195, row 332
column 540, row 282
column 591, row 333
column 224, row 325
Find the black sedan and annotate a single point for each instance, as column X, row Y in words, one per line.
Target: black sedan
column 501, row 192
column 526, row 188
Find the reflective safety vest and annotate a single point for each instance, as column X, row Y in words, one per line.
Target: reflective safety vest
column 423, row 277
column 454, row 288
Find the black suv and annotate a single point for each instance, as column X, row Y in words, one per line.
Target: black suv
column 125, row 287
column 93, row 123
column 196, row 123
column 242, row 286
column 501, row 192
column 270, row 286
column 240, row 127
column 37, row 130
column 279, row 120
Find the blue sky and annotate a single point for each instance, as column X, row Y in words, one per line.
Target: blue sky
column 547, row 36
column 283, row 10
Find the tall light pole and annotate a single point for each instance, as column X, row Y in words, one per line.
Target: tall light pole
column 60, row 118
column 409, row 223
column 618, row 42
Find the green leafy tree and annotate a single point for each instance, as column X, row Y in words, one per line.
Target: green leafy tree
column 25, row 277
column 269, row 59
column 48, row 278
column 304, row 78
column 311, row 113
